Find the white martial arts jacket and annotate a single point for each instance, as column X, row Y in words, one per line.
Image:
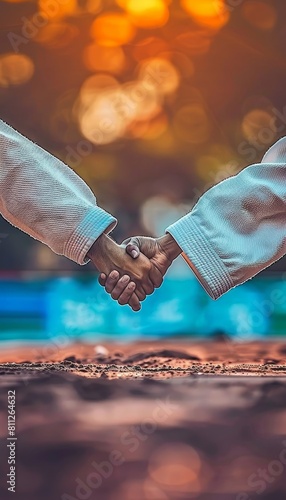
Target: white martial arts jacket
column 235, row 230
column 238, row 227
column 46, row 199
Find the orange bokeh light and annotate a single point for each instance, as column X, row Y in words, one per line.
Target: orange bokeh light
column 93, row 6
column 15, row 69
column 54, row 10
column 159, row 74
column 257, row 125
column 107, row 111
column 99, row 58
column 209, row 13
column 106, row 119
column 149, row 47
column 90, row 90
column 260, row 15
column 192, row 124
column 143, row 101
column 146, row 13
column 183, row 64
column 150, row 130
column 175, row 466
column 112, row 29
column 58, row 34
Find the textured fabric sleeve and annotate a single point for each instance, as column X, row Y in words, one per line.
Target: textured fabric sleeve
column 238, row 227
column 45, row 198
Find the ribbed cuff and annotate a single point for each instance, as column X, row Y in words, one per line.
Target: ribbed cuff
column 96, row 222
column 201, row 256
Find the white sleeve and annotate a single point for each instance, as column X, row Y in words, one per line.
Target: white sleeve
column 45, row 198
column 238, row 227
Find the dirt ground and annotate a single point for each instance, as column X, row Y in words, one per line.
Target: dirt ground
column 168, row 420
column 157, row 359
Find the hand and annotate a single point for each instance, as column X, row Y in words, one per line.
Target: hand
column 160, row 251
column 131, row 281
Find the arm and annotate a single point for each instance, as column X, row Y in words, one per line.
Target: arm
column 43, row 197
column 237, row 228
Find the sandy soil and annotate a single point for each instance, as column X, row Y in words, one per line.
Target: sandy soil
column 178, row 428
column 161, row 359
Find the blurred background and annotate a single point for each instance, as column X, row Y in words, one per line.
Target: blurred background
column 151, row 102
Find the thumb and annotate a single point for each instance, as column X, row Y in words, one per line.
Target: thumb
column 132, row 247
column 102, row 279
column 133, row 250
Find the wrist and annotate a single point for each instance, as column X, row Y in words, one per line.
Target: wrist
column 169, row 246
column 95, row 247
column 99, row 249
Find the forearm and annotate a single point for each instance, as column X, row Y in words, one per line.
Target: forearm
column 170, row 247
column 238, row 227
column 43, row 197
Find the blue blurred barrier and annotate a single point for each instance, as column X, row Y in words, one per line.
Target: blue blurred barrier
column 79, row 308
column 22, row 309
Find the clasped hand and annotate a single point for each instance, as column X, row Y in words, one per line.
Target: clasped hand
column 132, row 270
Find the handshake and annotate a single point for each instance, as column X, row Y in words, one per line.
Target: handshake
column 132, row 270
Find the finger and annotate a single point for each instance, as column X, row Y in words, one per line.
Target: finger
column 127, row 293
column 120, row 287
column 134, row 240
column 102, row 279
column 140, row 293
column 111, row 281
column 125, row 242
column 134, row 303
column 133, row 250
column 156, row 277
column 148, row 286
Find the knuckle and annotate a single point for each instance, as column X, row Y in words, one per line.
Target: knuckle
column 122, row 301
column 148, row 266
